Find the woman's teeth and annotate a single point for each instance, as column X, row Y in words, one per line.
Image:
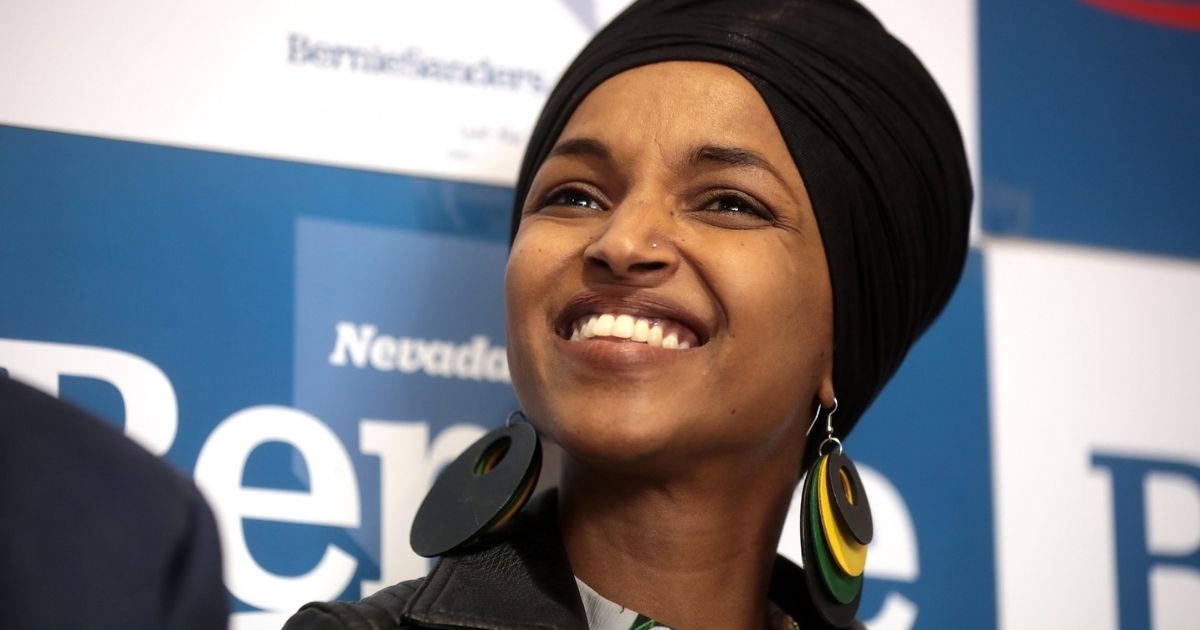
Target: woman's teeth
column 639, row 329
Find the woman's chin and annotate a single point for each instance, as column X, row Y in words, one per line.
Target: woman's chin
column 626, row 440
column 617, row 436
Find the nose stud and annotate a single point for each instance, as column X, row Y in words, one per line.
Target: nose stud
column 653, row 245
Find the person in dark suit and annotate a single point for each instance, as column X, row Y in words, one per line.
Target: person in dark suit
column 95, row 532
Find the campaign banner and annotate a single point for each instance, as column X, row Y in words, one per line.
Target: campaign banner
column 446, row 89
column 309, row 343
column 268, row 243
column 1092, row 258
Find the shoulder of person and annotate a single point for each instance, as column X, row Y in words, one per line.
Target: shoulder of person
column 518, row 578
column 381, row 611
column 79, row 498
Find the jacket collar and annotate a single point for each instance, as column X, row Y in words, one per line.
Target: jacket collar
column 521, row 579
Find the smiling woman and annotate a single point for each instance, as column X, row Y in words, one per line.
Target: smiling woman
column 732, row 214
column 681, row 209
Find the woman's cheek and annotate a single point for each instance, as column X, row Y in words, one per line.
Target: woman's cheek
column 519, row 275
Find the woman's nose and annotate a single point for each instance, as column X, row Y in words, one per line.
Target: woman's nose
column 635, row 247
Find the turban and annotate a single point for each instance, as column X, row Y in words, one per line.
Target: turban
column 870, row 132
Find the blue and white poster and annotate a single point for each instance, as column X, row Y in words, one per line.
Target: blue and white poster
column 269, row 241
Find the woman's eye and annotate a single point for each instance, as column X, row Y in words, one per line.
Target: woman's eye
column 735, row 205
column 572, row 197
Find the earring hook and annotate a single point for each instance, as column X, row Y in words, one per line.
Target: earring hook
column 829, row 438
column 508, row 422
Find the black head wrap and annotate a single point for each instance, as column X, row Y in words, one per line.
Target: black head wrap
column 874, row 140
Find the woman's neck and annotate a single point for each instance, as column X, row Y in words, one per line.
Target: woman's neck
column 692, row 552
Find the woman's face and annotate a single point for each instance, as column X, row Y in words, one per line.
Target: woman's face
column 670, row 213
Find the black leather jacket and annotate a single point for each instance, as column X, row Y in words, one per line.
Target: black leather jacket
column 520, row 579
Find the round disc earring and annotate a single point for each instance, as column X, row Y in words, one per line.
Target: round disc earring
column 835, row 527
column 479, row 491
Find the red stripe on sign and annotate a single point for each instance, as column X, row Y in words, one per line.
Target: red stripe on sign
column 1174, row 14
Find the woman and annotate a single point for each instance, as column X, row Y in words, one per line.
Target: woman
column 732, row 217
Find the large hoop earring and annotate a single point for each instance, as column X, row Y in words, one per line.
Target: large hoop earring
column 479, row 491
column 835, row 528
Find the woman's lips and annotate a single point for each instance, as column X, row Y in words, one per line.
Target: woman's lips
column 632, row 319
column 656, row 332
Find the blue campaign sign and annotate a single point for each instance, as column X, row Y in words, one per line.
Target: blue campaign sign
column 228, row 280
column 1089, row 122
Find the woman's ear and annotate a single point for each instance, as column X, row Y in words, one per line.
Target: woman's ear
column 825, row 392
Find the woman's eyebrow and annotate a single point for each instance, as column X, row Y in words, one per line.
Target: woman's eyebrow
column 733, row 156
column 586, row 147
column 709, row 153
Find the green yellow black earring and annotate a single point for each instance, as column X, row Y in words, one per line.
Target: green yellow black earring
column 835, row 528
column 479, row 491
